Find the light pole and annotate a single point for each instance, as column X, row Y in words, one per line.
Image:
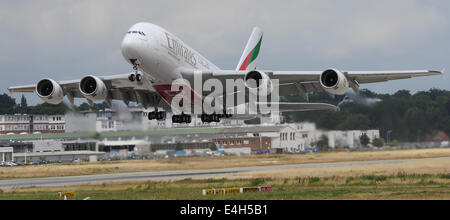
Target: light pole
column 388, row 132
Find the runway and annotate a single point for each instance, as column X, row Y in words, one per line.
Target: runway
column 179, row 174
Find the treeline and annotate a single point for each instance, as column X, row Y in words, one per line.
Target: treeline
column 8, row 105
column 402, row 116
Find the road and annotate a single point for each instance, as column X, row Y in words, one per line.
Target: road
column 179, row 174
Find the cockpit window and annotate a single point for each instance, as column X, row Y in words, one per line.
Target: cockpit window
column 136, row 32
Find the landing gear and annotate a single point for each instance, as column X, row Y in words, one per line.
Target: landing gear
column 182, row 119
column 214, row 117
column 156, row 115
column 136, row 76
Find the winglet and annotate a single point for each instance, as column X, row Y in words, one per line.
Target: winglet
column 251, row 52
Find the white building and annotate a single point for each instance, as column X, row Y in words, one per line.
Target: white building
column 22, row 123
column 301, row 136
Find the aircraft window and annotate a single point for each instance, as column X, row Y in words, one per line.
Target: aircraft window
column 137, row 32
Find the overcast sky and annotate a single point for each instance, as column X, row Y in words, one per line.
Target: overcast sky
column 67, row 39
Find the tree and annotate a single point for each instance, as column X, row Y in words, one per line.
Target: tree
column 378, row 142
column 96, row 136
column 7, row 104
column 402, row 94
column 255, row 121
column 365, row 140
column 213, row 147
column 23, row 102
column 178, row 146
column 49, row 109
column 355, row 122
column 323, row 144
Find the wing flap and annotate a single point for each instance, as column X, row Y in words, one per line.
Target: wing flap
column 300, row 106
column 383, row 76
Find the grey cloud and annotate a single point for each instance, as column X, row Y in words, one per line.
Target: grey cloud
column 68, row 39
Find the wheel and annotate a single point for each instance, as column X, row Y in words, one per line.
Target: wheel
column 151, row 115
column 203, row 117
column 175, row 119
column 138, row 77
column 210, row 118
column 184, row 119
column 161, row 115
column 189, row 119
column 216, row 118
column 132, row 77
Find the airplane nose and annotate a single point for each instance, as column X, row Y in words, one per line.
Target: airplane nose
column 130, row 48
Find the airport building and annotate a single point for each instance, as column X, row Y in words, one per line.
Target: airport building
column 106, row 133
column 29, row 124
column 255, row 144
column 101, row 121
column 301, row 136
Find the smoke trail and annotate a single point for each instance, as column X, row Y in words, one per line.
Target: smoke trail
column 351, row 97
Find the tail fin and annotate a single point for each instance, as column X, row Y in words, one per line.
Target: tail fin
column 250, row 56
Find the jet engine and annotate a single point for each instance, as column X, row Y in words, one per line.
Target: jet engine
column 257, row 81
column 50, row 91
column 334, row 82
column 93, row 88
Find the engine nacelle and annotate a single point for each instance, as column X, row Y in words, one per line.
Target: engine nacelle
column 50, row 91
column 334, row 82
column 257, row 81
column 93, row 88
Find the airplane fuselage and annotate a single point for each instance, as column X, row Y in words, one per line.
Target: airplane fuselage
column 161, row 55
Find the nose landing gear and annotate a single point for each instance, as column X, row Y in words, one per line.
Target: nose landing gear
column 136, row 76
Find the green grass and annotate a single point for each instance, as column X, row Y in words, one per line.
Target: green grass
column 356, row 187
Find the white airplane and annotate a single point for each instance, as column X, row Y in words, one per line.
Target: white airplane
column 159, row 57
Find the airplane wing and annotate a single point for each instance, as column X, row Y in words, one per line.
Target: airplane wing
column 119, row 88
column 299, row 106
column 303, row 82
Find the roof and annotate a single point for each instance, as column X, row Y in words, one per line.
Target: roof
column 157, row 132
column 63, row 153
column 6, row 149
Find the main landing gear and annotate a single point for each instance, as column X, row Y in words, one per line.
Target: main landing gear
column 187, row 119
column 156, row 115
column 214, row 117
column 182, row 119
